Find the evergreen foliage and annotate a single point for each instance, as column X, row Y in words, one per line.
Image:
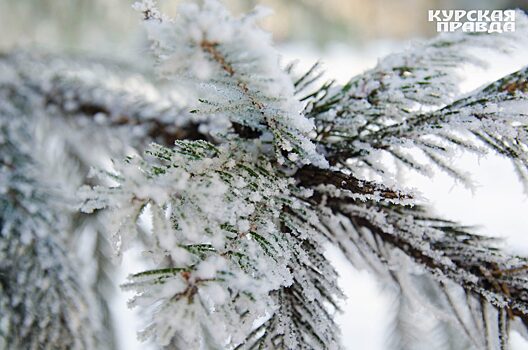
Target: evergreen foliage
column 233, row 192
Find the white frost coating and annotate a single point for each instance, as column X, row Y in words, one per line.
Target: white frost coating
column 232, row 65
column 388, row 110
column 216, row 217
column 235, row 241
column 44, row 303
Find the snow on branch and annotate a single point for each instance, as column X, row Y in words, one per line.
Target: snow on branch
column 377, row 110
column 340, row 184
column 231, row 65
column 227, row 234
column 494, row 117
column 43, row 302
column 95, row 91
column 383, row 237
column 234, row 204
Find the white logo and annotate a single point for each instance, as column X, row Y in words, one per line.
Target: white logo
column 491, row 21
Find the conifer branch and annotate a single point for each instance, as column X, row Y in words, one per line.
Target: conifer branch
column 382, row 110
column 235, row 201
column 43, row 302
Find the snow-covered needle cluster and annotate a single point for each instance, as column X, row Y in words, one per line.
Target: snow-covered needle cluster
column 231, row 176
column 43, row 303
column 232, row 67
column 224, row 226
column 397, row 107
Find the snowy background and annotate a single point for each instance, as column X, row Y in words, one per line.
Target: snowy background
column 496, row 204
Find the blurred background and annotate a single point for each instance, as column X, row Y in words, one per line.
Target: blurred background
column 110, row 26
column 348, row 36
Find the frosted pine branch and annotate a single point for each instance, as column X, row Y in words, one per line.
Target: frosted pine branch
column 495, row 115
column 454, row 256
column 43, row 302
column 372, row 112
column 257, row 240
column 237, row 75
column 252, row 173
column 106, row 93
